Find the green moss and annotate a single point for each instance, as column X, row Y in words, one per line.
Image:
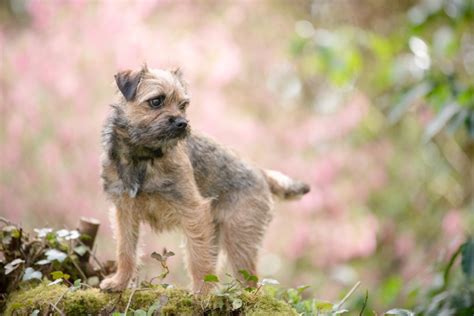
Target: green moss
column 263, row 303
column 177, row 302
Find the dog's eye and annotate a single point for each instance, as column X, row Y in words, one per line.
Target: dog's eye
column 183, row 105
column 157, row 102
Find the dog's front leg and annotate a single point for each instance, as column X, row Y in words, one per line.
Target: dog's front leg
column 126, row 231
column 201, row 251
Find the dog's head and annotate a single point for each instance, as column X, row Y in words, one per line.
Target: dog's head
column 154, row 104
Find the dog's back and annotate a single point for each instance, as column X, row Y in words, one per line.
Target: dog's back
column 220, row 173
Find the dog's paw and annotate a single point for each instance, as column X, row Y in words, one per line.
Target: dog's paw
column 114, row 284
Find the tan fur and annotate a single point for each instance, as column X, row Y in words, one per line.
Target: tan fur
column 187, row 182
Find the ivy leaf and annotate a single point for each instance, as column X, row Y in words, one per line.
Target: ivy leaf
column 211, row 278
column 407, row 100
column 54, row 254
column 301, row 288
column 157, row 256
column 81, row 250
column 440, row 121
column 93, row 281
column 400, row 312
column 467, row 259
column 245, row 274
column 324, row 307
column 43, row 232
column 73, row 234
column 31, row 274
column 168, row 254
column 236, row 304
column 62, row 233
column 59, row 274
column 42, row 262
column 13, row 265
column 55, row 282
column 275, row 282
column 77, row 283
column 15, row 233
column 139, row 312
column 155, row 308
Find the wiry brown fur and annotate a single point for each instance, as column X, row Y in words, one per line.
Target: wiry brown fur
column 167, row 177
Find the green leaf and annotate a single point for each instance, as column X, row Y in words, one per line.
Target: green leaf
column 54, row 254
column 275, row 282
column 11, row 266
column 253, row 278
column 245, row 274
column 390, row 288
column 93, row 281
column 467, row 258
column 236, row 304
column 301, row 288
column 31, row 274
column 157, row 305
column 77, row 283
column 407, row 100
column 15, row 233
column 139, row 312
column 440, row 121
column 43, row 232
column 157, row 256
column 400, row 312
column 211, row 278
column 168, row 254
column 324, row 307
column 57, row 275
column 43, row 262
column 81, row 250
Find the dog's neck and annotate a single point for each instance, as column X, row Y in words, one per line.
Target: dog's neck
column 140, row 153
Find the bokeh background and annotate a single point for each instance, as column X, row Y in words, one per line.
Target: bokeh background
column 371, row 102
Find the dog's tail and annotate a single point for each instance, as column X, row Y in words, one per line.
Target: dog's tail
column 284, row 187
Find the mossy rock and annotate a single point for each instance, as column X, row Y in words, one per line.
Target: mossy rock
column 172, row 302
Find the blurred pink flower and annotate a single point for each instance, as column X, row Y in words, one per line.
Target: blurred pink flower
column 453, row 223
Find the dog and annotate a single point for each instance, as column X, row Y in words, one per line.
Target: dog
column 156, row 171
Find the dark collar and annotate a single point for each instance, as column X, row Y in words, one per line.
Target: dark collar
column 146, row 153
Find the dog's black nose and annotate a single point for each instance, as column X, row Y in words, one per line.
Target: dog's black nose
column 180, row 123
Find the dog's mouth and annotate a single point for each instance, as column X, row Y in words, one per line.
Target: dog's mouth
column 180, row 133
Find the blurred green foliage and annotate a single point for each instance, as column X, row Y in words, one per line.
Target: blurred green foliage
column 424, row 58
column 420, row 60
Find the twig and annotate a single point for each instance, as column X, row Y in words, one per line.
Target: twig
column 130, row 300
column 449, row 266
column 102, row 269
column 339, row 305
column 57, row 309
column 54, row 305
column 6, row 221
column 83, row 275
column 364, row 305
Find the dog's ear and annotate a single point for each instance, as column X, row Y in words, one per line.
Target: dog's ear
column 127, row 82
column 178, row 73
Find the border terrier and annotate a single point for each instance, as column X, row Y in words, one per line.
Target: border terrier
column 156, row 171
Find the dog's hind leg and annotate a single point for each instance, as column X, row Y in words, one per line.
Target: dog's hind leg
column 242, row 234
